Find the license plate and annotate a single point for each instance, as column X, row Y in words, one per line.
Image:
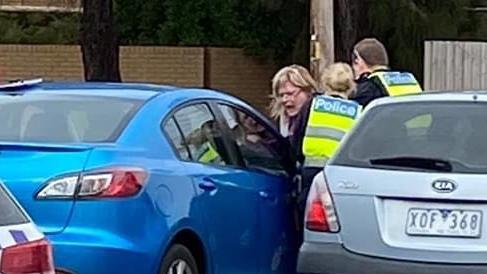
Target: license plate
column 444, row 222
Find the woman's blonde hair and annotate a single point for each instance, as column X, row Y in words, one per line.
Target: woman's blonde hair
column 297, row 75
column 338, row 80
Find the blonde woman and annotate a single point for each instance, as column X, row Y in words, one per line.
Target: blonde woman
column 292, row 90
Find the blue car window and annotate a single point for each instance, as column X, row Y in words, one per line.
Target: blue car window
column 176, row 139
column 202, row 134
column 257, row 145
column 64, row 118
column 10, row 213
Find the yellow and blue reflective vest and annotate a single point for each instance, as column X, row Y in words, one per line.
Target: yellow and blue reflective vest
column 401, row 83
column 397, row 83
column 207, row 154
column 329, row 120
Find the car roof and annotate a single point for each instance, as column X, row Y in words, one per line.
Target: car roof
column 134, row 91
column 122, row 90
column 437, row 96
column 139, row 91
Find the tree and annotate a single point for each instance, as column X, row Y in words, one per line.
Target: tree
column 279, row 29
column 272, row 29
column 99, row 41
column 39, row 28
column 351, row 24
column 404, row 25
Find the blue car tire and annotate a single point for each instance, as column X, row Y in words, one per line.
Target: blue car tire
column 179, row 260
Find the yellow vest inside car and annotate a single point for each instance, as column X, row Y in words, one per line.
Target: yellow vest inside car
column 207, row 154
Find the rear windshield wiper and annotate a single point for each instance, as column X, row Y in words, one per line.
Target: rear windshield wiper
column 414, row 162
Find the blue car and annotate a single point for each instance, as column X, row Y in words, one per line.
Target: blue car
column 133, row 178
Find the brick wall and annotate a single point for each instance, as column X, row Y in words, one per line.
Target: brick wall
column 165, row 65
column 233, row 71
column 179, row 66
column 41, row 3
column 49, row 62
column 219, row 68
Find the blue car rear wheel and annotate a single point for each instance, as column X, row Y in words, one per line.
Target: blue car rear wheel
column 179, row 260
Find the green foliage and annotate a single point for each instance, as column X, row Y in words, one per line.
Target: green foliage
column 137, row 21
column 38, row 28
column 267, row 28
column 404, row 25
column 271, row 29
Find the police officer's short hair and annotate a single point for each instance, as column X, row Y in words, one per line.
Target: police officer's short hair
column 372, row 51
column 337, row 79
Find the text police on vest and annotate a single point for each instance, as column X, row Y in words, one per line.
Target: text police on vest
column 336, row 106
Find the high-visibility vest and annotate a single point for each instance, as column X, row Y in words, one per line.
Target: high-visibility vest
column 401, row 83
column 397, row 83
column 329, row 120
column 207, row 154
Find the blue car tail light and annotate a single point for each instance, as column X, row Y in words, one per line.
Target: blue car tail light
column 113, row 182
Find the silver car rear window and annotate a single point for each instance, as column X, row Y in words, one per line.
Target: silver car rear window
column 10, row 213
column 454, row 132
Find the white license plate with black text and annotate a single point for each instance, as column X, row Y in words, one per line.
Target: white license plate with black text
column 444, row 222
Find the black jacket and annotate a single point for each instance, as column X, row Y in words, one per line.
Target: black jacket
column 368, row 89
column 298, row 129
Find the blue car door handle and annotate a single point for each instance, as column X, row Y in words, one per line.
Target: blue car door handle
column 208, row 184
column 266, row 195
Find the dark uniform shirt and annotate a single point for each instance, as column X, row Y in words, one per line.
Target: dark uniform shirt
column 368, row 89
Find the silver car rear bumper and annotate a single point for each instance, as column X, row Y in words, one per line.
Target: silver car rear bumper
column 317, row 258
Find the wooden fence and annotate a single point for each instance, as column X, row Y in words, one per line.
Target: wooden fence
column 455, row 65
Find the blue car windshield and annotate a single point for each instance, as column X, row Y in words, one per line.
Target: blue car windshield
column 50, row 118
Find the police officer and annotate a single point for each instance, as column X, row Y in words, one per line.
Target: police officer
column 374, row 78
column 330, row 117
column 204, row 140
column 207, row 154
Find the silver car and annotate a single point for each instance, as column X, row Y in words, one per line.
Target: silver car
column 23, row 248
column 406, row 192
